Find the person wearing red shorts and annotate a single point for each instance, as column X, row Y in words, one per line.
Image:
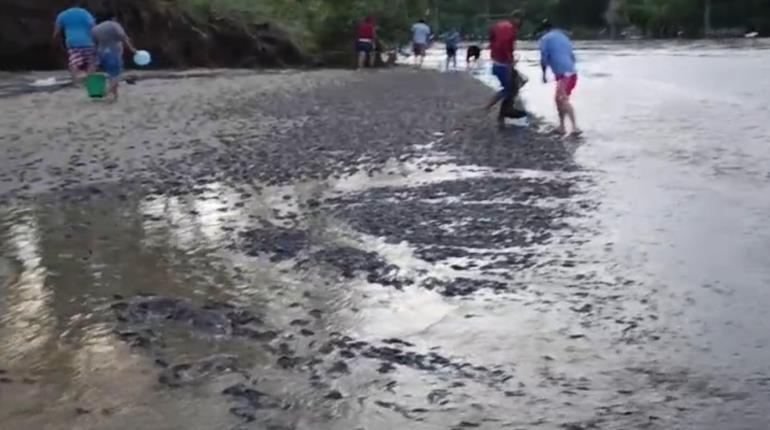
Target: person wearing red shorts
column 557, row 53
column 77, row 23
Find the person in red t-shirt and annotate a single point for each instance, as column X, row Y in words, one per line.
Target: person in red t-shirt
column 502, row 42
column 365, row 44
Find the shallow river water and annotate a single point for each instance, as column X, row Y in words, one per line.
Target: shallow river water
column 648, row 310
column 677, row 138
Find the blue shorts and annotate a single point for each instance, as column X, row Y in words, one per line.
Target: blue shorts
column 364, row 46
column 112, row 64
column 503, row 74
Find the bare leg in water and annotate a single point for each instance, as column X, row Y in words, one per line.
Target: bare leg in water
column 566, row 110
column 361, row 59
column 113, row 88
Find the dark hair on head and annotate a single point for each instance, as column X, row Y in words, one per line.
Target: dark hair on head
column 422, row 20
column 545, row 25
column 517, row 14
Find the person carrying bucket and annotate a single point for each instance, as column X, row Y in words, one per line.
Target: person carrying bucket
column 110, row 38
column 76, row 23
column 502, row 38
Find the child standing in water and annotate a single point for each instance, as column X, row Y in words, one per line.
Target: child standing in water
column 452, row 41
column 110, row 38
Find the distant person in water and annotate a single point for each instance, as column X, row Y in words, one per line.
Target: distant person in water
column 557, row 53
column 110, row 38
column 76, row 24
column 452, row 41
column 502, row 40
column 420, row 38
column 366, row 42
column 472, row 56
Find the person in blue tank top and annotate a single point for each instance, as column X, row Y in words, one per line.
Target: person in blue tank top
column 557, row 53
column 77, row 23
column 452, row 40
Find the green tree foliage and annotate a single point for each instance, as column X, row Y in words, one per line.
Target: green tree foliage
column 655, row 18
column 329, row 25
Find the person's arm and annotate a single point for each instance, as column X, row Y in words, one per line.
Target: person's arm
column 56, row 29
column 130, row 45
column 544, row 59
column 127, row 40
column 124, row 38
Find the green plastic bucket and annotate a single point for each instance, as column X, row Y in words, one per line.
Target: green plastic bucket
column 96, row 85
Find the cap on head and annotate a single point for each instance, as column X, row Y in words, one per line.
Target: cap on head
column 517, row 16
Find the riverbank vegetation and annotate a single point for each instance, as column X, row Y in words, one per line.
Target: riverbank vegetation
column 328, row 24
column 281, row 33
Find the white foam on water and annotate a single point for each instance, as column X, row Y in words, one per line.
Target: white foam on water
column 47, row 82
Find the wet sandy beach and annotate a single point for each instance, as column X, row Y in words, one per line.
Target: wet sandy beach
column 325, row 250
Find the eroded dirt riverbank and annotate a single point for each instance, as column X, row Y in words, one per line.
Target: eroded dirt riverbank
column 323, row 250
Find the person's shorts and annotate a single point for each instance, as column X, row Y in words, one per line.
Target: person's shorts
column 451, row 51
column 111, row 64
column 503, row 74
column 565, row 85
column 419, row 48
column 82, row 58
column 364, row 46
column 473, row 52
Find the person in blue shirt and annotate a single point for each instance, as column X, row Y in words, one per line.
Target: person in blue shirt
column 557, row 53
column 452, row 40
column 420, row 39
column 77, row 23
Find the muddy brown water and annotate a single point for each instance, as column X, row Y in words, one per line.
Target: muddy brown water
column 622, row 288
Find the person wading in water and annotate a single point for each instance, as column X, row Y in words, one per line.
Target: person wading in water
column 366, row 42
column 557, row 53
column 452, row 42
column 502, row 38
column 420, row 39
column 76, row 23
